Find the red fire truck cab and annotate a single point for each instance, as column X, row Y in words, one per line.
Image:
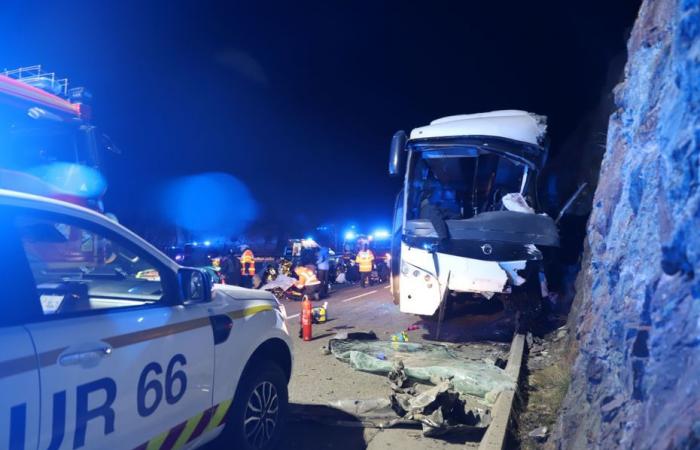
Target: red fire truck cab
column 47, row 144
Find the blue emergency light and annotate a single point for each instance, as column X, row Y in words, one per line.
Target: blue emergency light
column 381, row 234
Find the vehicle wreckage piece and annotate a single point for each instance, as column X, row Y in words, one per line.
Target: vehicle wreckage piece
column 469, row 371
column 439, row 409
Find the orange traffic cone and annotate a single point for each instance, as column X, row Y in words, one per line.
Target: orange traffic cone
column 306, row 316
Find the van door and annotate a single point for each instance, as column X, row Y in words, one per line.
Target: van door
column 19, row 370
column 19, row 384
column 122, row 365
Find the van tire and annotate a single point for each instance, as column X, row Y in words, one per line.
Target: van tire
column 263, row 387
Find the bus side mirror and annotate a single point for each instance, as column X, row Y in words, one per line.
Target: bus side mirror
column 398, row 145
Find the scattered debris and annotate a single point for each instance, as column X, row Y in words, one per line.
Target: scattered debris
column 399, row 380
column 470, row 370
column 547, row 384
column 401, row 336
column 539, row 434
column 439, row 410
column 355, row 335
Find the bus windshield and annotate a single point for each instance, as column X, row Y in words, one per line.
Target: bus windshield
column 461, row 186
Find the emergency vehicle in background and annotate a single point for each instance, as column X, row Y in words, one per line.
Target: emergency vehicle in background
column 467, row 223
column 127, row 349
column 48, row 145
column 379, row 243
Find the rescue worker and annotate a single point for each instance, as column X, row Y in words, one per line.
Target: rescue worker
column 247, row 267
column 365, row 261
column 308, row 283
column 323, row 264
column 231, row 269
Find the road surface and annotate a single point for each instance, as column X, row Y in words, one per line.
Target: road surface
column 318, row 378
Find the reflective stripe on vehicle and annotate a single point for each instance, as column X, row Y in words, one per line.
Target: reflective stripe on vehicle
column 48, row 358
column 241, row 313
column 189, row 430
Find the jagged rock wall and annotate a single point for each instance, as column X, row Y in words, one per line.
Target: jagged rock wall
column 636, row 379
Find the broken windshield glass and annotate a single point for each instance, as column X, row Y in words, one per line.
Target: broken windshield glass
column 464, row 186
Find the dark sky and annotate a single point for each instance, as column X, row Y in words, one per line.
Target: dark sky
column 299, row 100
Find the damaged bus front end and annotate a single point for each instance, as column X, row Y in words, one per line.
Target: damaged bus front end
column 468, row 224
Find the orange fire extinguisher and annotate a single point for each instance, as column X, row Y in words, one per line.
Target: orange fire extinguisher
column 306, row 319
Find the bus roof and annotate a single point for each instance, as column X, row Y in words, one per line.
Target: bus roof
column 511, row 124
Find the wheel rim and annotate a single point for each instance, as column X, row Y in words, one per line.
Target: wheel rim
column 261, row 415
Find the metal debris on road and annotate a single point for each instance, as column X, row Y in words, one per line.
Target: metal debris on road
column 439, row 409
column 470, row 371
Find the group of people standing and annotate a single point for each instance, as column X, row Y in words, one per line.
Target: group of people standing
column 238, row 270
column 312, row 277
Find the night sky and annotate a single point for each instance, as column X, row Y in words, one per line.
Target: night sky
column 299, row 100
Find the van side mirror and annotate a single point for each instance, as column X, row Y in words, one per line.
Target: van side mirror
column 398, row 146
column 195, row 285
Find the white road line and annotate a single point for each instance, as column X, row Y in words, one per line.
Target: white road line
column 360, row 296
column 387, row 287
column 293, row 316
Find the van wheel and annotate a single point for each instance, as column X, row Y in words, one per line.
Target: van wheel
column 259, row 410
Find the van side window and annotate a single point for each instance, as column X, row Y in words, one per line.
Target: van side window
column 77, row 269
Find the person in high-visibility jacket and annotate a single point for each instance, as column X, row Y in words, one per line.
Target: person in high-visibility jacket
column 248, row 263
column 365, row 261
column 308, row 283
column 247, row 267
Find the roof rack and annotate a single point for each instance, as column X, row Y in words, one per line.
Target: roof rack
column 34, row 76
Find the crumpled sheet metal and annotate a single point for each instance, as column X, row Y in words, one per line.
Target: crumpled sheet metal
column 468, row 372
column 439, row 410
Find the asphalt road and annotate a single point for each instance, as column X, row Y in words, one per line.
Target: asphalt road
column 318, row 378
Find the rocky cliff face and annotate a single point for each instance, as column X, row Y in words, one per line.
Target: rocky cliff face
column 636, row 379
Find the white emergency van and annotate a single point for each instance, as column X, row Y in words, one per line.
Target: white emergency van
column 106, row 343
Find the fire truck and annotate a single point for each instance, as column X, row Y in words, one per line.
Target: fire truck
column 48, row 145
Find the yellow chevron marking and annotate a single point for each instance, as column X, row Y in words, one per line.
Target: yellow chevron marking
column 156, row 442
column 187, row 432
column 219, row 415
